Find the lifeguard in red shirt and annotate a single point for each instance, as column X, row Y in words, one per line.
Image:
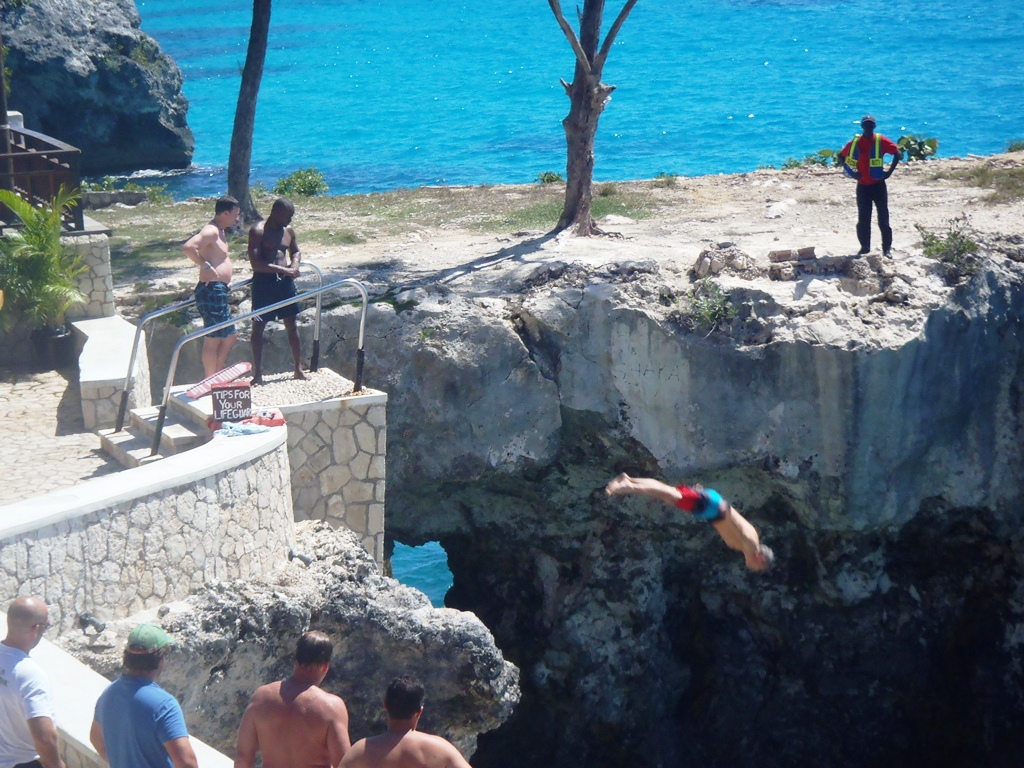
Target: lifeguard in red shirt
column 862, row 158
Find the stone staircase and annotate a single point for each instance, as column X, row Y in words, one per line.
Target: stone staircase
column 184, row 428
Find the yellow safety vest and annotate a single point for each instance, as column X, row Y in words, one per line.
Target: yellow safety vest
column 875, row 162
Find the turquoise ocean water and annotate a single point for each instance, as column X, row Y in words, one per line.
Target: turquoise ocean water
column 424, row 567
column 379, row 94
column 385, row 93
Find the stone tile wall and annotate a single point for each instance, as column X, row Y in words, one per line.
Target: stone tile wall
column 337, row 450
column 75, row 757
column 96, row 281
column 100, row 400
column 102, row 364
column 146, row 551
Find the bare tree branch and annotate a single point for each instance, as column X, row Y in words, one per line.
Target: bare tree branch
column 610, row 39
column 567, row 86
column 581, row 57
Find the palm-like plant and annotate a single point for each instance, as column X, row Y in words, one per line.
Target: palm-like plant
column 37, row 272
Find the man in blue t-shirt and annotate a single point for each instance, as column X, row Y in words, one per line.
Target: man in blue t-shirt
column 137, row 723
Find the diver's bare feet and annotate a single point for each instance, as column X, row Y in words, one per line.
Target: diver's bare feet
column 300, row 375
column 621, row 484
column 256, row 381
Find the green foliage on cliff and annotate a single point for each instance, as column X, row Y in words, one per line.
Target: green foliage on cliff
column 956, row 250
column 548, row 177
column 1015, row 145
column 918, row 146
column 822, row 158
column 305, row 182
column 710, row 306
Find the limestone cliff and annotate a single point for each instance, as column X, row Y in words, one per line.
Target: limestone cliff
column 869, row 423
column 231, row 638
column 83, row 72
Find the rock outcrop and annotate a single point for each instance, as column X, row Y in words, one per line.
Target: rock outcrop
column 230, row 638
column 876, row 443
column 867, row 416
column 83, row 72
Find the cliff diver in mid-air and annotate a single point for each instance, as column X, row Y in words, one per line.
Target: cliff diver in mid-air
column 705, row 504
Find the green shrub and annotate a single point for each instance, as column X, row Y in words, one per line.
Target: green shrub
column 1015, row 145
column 606, row 190
column 157, row 193
column 548, row 177
column 258, row 189
column 823, row 157
column 665, row 180
column 710, row 306
column 764, row 167
column 917, row 146
column 305, row 182
column 956, row 251
column 37, row 271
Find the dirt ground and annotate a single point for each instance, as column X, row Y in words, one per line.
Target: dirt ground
column 467, row 237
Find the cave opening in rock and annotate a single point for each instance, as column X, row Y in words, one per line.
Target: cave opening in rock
column 424, row 567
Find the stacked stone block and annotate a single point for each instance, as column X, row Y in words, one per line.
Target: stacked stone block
column 337, row 450
column 95, row 281
column 143, row 552
column 101, row 399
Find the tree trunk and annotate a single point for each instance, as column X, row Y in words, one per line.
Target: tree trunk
column 580, row 126
column 588, row 97
column 245, row 113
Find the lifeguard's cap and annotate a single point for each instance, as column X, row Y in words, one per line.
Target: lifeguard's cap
column 868, row 119
column 147, row 638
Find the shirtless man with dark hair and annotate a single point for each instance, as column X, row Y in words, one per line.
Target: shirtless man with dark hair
column 275, row 257
column 707, row 505
column 208, row 249
column 402, row 746
column 293, row 723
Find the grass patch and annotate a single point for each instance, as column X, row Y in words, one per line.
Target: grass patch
column 1007, row 184
column 333, row 236
column 544, row 214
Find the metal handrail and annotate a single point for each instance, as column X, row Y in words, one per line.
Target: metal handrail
column 129, row 379
column 122, row 408
column 262, row 310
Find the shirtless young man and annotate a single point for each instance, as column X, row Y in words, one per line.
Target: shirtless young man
column 402, row 746
column 293, row 723
column 209, row 250
column 275, row 258
column 705, row 504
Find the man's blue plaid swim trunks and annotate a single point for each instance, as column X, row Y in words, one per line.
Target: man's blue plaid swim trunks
column 212, row 303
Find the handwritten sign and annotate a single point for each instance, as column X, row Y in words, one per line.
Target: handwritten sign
column 232, row 401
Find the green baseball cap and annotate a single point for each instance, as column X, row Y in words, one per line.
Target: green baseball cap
column 147, row 638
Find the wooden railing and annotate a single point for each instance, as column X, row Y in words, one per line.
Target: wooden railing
column 36, row 168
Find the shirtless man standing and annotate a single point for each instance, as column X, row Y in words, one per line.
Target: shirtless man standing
column 293, row 723
column 209, row 250
column 275, row 258
column 706, row 505
column 402, row 746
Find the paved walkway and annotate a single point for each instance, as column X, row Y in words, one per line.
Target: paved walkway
column 43, row 443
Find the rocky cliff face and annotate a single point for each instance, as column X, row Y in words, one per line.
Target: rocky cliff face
column 869, row 424
column 83, row 72
column 234, row 637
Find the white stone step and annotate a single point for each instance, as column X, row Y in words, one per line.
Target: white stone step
column 129, row 448
column 176, row 436
column 192, row 411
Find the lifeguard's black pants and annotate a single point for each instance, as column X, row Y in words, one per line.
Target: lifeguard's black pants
column 866, row 195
